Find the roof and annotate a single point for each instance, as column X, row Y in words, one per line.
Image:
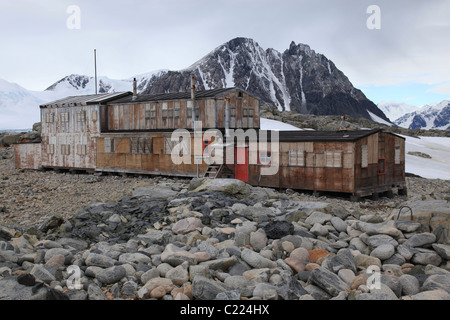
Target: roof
column 324, row 136
column 177, row 95
column 85, row 99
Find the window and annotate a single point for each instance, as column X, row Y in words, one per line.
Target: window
column 141, row 145
column 168, row 145
column 333, row 159
column 49, row 117
column 65, row 149
column 381, row 166
column 81, row 149
column 81, row 116
column 297, row 158
column 50, row 149
column 64, row 117
column 206, row 143
column 109, row 145
column 364, row 156
column 397, row 158
column 265, row 157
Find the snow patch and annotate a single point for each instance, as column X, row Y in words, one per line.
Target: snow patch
column 378, row 119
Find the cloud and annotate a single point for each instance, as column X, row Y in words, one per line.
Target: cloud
column 441, row 89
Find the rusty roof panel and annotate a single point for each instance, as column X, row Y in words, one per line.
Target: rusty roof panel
column 85, row 99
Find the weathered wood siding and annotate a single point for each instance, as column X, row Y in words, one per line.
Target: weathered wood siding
column 69, row 136
column 164, row 115
column 27, row 156
column 125, row 152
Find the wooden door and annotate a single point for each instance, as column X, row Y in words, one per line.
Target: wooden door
column 241, row 163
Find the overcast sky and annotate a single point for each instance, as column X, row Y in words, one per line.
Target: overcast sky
column 406, row 60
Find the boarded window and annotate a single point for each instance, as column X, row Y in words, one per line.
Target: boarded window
column 50, row 149
column 397, row 153
column 49, row 117
column 64, row 117
column 333, row 159
column 110, row 145
column 65, row 149
column 141, row 145
column 297, row 158
column 168, row 145
column 364, row 156
column 81, row 116
column 381, row 166
column 265, row 157
column 81, row 149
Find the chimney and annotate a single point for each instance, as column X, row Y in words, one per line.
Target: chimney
column 134, row 89
column 193, row 101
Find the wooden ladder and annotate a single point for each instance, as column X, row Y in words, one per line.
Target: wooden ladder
column 218, row 170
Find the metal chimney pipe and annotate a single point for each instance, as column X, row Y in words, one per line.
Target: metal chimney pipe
column 134, row 89
column 193, row 101
column 227, row 117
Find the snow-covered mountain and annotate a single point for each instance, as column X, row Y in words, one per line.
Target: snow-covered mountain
column 394, row 110
column 430, row 116
column 299, row 79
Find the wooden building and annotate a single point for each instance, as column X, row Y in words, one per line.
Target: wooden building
column 130, row 133
column 362, row 162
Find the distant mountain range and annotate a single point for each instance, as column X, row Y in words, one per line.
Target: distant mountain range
column 430, row 116
column 299, row 80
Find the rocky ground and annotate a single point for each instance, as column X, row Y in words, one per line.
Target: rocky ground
column 78, row 237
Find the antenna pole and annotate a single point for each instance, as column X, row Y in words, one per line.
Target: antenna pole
column 95, row 63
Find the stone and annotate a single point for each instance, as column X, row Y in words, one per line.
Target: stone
column 206, row 289
column 242, row 284
column 95, row 293
column 319, row 230
column 26, row 279
column 298, row 259
column 256, row 260
column 342, row 260
column 443, row 250
column 339, row 224
column 407, row 225
column 158, row 292
column 265, row 291
column 167, row 284
column 406, row 251
column 383, row 252
column 387, row 227
column 40, row 272
column 129, row 289
column 179, row 275
column 187, row 225
column 347, row 275
column 328, row 281
column 410, row 285
column 258, row 240
column 111, row 275
column 426, row 258
column 54, row 251
column 229, row 295
column 437, row 281
column 99, row 260
column 420, row 240
column 438, row 294
column 317, row 254
column 58, row 260
column 258, row 275
column 278, row 229
column 176, row 256
column 318, row 217
column 378, row 240
column 134, row 258
column 227, row 186
column 364, row 261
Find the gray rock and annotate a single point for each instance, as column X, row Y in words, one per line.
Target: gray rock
column 437, row 281
column 229, row 295
column 187, row 225
column 278, row 229
column 242, row 284
column 42, row 273
column 99, row 260
column 383, row 252
column 159, row 237
column 223, row 264
column 111, row 275
column 425, row 258
column 387, row 227
column 95, row 293
column 258, row 240
column 11, row 290
column 443, row 250
column 134, row 258
column 176, row 256
column 432, row 295
column 319, row 230
column 129, row 289
column 318, row 217
column 410, row 285
column 406, row 251
column 256, row 260
column 265, row 291
column 339, row 224
column 420, row 240
column 342, row 260
column 407, row 225
column 149, row 274
column 54, row 251
column 206, row 289
column 378, row 240
column 328, row 281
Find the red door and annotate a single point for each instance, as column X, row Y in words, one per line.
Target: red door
column 241, row 163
